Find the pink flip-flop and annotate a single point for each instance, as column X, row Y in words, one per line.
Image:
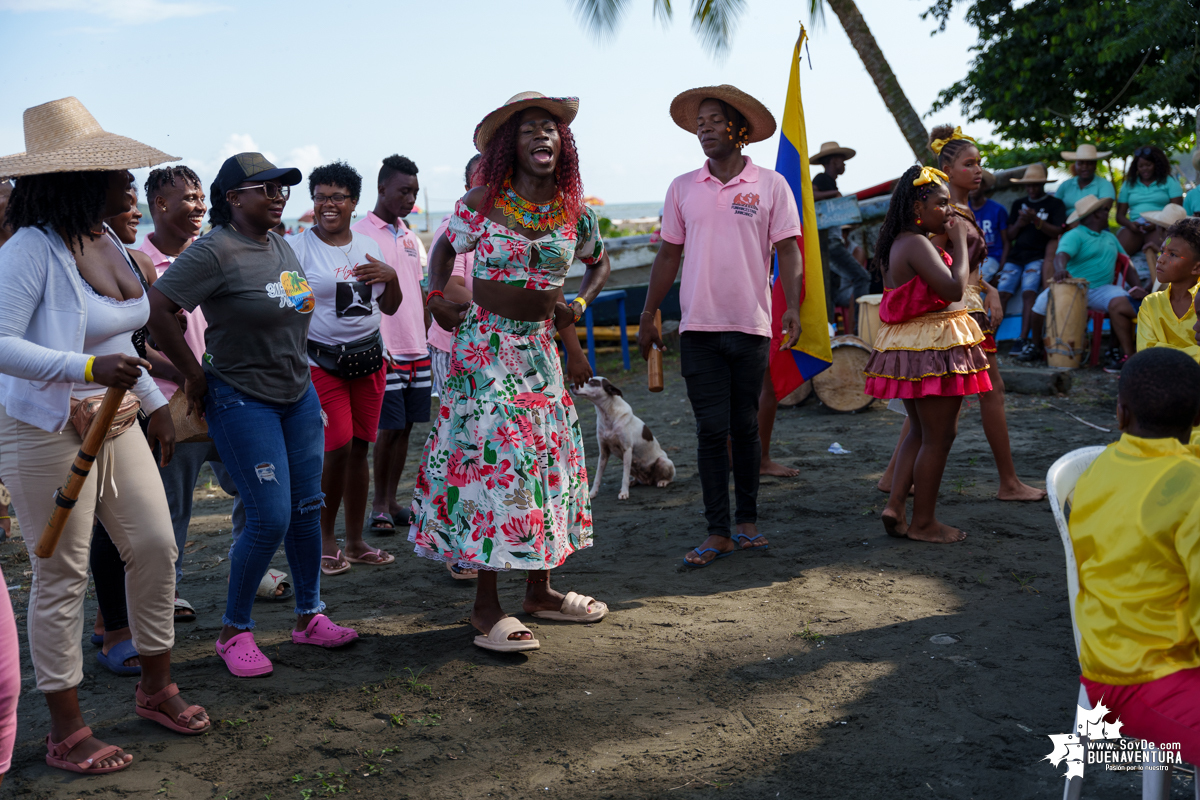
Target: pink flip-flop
column 335, row 570
column 324, row 633
column 243, row 657
column 147, row 708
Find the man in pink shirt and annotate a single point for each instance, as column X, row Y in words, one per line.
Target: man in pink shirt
column 723, row 220
column 406, row 396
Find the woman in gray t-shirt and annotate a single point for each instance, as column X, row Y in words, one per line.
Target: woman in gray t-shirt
column 255, row 391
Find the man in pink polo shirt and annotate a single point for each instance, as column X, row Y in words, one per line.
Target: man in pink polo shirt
column 406, row 396
column 723, row 220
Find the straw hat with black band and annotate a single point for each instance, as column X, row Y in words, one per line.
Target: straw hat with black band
column 61, row 136
column 831, row 149
column 563, row 108
column 1084, row 207
column 1086, row 152
column 1034, row 173
column 760, row 123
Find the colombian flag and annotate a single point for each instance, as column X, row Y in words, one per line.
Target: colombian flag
column 812, row 354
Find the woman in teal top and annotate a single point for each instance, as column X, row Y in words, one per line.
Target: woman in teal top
column 1150, row 188
column 1084, row 181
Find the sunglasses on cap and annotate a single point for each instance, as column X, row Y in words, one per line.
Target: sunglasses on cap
column 1143, row 152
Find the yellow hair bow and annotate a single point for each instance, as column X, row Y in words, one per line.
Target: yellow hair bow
column 931, row 175
column 937, row 144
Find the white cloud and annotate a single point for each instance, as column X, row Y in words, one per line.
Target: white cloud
column 125, row 12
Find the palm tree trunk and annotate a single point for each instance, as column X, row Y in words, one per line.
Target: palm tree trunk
column 885, row 80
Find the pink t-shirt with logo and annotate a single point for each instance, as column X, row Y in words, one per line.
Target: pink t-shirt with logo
column 404, row 331
column 727, row 231
column 439, row 337
column 196, row 324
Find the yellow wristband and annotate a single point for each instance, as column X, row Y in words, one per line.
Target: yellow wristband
column 87, row 370
column 582, row 304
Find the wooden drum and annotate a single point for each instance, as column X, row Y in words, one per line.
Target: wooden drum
column 841, row 387
column 1066, row 323
column 868, row 317
column 799, row 396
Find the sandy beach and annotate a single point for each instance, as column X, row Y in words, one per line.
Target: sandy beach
column 806, row 671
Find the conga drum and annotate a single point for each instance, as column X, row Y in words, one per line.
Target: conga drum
column 842, row 386
column 868, row 316
column 799, row 396
column 1066, row 323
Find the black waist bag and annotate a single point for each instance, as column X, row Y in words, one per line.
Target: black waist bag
column 350, row 360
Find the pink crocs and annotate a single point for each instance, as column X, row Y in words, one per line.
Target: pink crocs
column 243, row 657
column 324, row 633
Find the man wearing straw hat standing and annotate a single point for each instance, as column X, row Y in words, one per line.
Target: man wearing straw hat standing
column 854, row 280
column 730, row 213
column 1033, row 221
column 71, row 300
column 1085, row 181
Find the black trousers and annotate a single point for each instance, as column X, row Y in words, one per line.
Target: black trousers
column 724, row 374
column 108, row 572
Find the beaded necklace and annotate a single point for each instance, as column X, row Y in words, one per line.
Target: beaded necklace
column 533, row 216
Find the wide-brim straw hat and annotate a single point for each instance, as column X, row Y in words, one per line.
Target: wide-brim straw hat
column 1085, row 206
column 686, row 107
column 1171, row 213
column 1086, row 152
column 831, row 149
column 61, row 136
column 564, row 108
column 1034, row 173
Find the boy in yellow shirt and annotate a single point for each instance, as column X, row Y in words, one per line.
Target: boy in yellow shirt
column 1167, row 317
column 1135, row 529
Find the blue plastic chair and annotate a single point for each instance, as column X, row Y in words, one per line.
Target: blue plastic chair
column 613, row 296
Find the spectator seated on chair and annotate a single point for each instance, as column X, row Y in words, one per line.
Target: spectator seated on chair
column 1148, row 187
column 1135, row 530
column 1191, row 203
column 1034, row 222
column 1084, row 180
column 1089, row 251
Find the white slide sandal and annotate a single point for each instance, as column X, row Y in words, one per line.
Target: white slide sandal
column 575, row 609
column 497, row 638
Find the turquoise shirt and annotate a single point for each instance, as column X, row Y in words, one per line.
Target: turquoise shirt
column 1093, row 254
column 1070, row 191
column 1191, row 203
column 1143, row 198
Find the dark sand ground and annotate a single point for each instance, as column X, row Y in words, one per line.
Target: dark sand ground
column 804, row 672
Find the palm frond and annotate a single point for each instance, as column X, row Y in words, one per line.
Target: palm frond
column 601, row 16
column 714, row 22
column 816, row 13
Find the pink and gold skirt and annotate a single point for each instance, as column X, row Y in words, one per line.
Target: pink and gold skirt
column 975, row 308
column 939, row 354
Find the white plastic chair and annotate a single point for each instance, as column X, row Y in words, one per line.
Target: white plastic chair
column 1060, row 482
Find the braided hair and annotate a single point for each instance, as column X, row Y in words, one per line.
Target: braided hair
column 471, row 166
column 68, row 202
column 500, row 156
column 738, row 127
column 951, row 149
column 160, row 177
column 900, row 216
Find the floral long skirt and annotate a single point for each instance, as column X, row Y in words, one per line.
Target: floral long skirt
column 502, row 483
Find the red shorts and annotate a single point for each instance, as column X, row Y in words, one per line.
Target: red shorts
column 1165, row 711
column 351, row 408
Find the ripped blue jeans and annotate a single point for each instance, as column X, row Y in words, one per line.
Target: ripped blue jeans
column 274, row 454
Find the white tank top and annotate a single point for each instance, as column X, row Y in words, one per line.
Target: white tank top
column 110, row 325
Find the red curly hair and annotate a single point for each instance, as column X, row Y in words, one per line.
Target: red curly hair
column 500, row 157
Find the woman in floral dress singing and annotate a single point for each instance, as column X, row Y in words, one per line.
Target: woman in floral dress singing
column 503, row 484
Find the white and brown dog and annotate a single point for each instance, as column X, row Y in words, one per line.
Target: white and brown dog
column 621, row 433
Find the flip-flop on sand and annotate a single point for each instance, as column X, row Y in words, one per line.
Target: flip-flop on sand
column 701, row 553
column 56, row 754
column 380, row 558
column 147, row 708
column 738, row 537
column 382, row 523
column 575, row 609
column 117, row 655
column 270, row 584
column 498, row 641
column 335, row 570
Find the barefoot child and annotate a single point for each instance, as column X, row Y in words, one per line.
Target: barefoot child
column 927, row 351
column 1135, row 529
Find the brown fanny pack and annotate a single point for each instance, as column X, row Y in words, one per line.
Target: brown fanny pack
column 84, row 411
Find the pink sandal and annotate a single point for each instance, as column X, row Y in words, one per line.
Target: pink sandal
column 243, row 657
column 335, row 570
column 147, row 708
column 324, row 633
column 56, row 754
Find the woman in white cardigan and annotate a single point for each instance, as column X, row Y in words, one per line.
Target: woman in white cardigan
column 71, row 300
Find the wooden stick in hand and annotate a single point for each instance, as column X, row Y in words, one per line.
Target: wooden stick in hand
column 68, row 493
column 654, row 365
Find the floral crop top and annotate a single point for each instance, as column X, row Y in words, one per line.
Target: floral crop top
column 503, row 255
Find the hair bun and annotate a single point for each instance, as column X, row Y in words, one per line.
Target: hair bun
column 940, row 132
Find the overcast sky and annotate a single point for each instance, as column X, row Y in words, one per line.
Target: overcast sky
column 307, row 83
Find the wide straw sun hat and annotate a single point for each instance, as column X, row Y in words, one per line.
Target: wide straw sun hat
column 1086, row 152
column 1034, row 173
column 686, row 107
column 831, row 149
column 61, row 136
column 1083, row 207
column 565, row 108
column 1171, row 213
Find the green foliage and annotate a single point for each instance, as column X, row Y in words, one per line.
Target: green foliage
column 1052, row 74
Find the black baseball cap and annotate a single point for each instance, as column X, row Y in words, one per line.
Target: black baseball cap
column 252, row 167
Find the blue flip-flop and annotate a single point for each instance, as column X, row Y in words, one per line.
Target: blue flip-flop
column 97, row 640
column 701, row 553
column 118, row 654
column 737, row 537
